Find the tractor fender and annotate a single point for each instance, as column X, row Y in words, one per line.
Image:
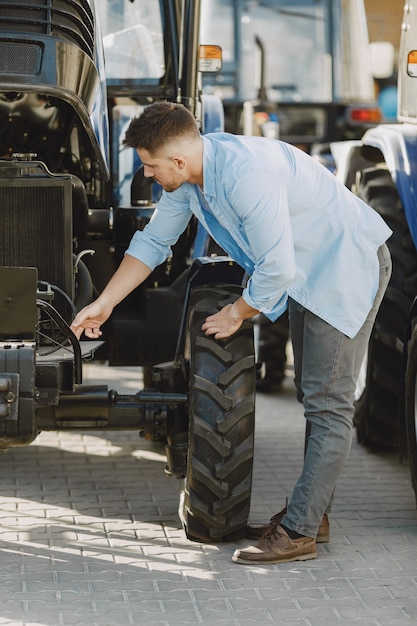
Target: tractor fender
column 345, row 155
column 398, row 146
column 214, row 271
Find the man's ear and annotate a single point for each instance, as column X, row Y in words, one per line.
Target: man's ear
column 180, row 162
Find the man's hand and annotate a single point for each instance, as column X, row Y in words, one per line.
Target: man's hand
column 222, row 324
column 228, row 320
column 89, row 320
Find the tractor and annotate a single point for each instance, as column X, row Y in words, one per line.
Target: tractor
column 73, row 73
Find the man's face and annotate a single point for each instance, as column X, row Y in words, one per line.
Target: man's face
column 165, row 170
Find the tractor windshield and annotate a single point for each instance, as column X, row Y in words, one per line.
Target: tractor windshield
column 283, row 44
column 133, row 41
column 300, row 51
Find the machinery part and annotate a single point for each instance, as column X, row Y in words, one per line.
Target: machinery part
column 84, row 290
column 377, row 416
column 57, row 320
column 216, row 498
column 36, row 207
column 17, row 385
column 410, row 407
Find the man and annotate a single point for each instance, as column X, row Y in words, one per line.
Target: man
column 305, row 240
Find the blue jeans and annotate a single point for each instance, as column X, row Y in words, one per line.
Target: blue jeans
column 326, row 366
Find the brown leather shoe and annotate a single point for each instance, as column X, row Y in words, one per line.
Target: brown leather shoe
column 277, row 547
column 256, row 531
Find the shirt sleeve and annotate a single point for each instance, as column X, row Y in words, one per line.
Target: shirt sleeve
column 261, row 202
column 152, row 245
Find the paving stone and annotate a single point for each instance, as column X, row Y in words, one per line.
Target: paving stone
column 89, row 534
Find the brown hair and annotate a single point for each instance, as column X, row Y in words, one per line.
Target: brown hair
column 159, row 124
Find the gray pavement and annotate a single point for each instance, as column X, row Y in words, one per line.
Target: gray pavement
column 89, row 534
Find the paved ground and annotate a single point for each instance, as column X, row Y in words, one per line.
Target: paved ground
column 89, row 534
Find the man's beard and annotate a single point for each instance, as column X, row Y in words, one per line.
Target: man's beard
column 175, row 182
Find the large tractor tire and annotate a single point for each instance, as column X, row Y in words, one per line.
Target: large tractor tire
column 410, row 407
column 379, row 389
column 216, row 498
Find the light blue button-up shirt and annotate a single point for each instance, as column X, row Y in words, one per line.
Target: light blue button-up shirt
column 290, row 223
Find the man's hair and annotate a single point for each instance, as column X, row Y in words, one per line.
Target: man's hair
column 158, row 125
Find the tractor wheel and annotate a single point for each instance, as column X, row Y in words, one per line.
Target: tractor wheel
column 379, row 388
column 410, row 407
column 217, row 492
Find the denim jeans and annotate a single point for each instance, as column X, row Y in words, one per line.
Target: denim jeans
column 326, row 366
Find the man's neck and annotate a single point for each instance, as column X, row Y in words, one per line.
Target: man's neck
column 195, row 163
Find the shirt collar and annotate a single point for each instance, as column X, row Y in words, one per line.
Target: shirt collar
column 209, row 167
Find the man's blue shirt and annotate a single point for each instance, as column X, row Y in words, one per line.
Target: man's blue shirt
column 290, row 223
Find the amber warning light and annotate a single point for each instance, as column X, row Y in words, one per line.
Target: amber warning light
column 209, row 58
column 364, row 115
column 412, row 63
